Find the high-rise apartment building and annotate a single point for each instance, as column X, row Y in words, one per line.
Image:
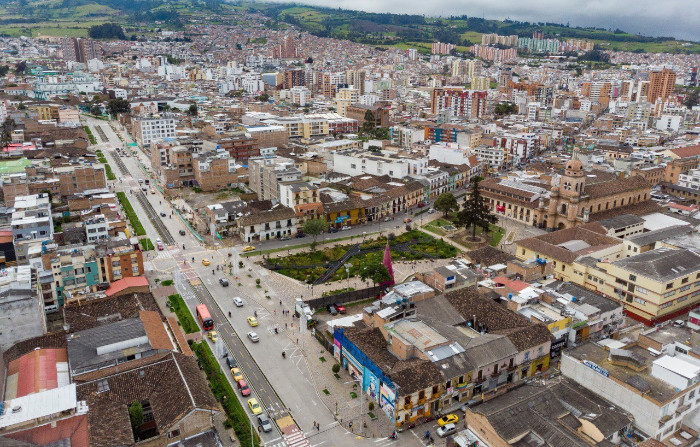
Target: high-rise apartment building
column 286, row 50
column 77, row 49
column 661, row 84
column 356, row 78
column 466, row 103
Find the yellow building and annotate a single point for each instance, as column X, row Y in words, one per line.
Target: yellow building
column 654, row 286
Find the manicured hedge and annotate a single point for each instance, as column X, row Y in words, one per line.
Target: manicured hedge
column 189, row 325
column 131, row 214
column 224, row 393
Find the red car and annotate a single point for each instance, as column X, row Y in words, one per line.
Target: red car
column 421, row 205
column 340, row 308
column 245, row 391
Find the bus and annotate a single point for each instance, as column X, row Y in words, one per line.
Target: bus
column 205, row 317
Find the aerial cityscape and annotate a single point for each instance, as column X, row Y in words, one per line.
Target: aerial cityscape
column 250, row 224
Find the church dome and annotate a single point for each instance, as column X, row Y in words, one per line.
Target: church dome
column 574, row 165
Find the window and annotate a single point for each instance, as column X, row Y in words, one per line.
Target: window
column 102, row 386
column 633, row 277
column 669, row 285
column 174, row 433
column 642, row 290
column 640, row 301
column 684, row 280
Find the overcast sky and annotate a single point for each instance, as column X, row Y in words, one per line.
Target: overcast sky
column 677, row 18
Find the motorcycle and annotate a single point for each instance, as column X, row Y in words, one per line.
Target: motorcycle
column 393, row 435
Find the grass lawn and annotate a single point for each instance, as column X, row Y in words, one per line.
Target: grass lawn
column 189, row 325
column 436, row 226
column 146, row 244
column 225, row 394
column 108, row 172
column 495, row 232
column 422, row 243
column 131, row 214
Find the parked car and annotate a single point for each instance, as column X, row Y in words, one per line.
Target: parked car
column 213, row 336
column 446, row 430
column 160, row 246
column 252, row 321
column 238, row 301
column 431, row 210
column 254, row 406
column 264, row 422
column 231, row 362
column 344, row 227
column 332, row 310
column 253, row 337
column 340, row 308
column 205, row 262
column 245, row 391
column 421, row 205
column 248, row 248
column 285, row 238
column 678, row 323
column 407, row 220
column 387, row 219
column 183, row 233
column 223, row 282
column 237, row 374
column 300, row 235
column 332, row 230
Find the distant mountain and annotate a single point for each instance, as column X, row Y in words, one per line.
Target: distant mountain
column 74, row 17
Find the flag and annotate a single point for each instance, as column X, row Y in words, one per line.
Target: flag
column 387, row 263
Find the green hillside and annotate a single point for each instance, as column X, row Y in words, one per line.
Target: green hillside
column 403, row 30
column 74, row 17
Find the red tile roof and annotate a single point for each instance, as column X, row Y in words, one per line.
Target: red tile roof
column 688, row 151
column 74, row 429
column 125, row 283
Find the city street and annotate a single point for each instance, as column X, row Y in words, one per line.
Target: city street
column 284, row 387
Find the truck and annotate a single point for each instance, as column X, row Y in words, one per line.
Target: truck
column 302, row 308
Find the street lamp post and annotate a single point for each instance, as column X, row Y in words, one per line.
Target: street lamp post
column 347, row 266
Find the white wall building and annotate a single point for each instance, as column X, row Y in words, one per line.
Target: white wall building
column 96, row 228
column 449, row 153
column 148, row 129
column 358, row 162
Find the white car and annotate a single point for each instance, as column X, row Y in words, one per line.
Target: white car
column 446, row 430
column 238, row 301
column 678, row 323
column 253, row 337
column 431, row 210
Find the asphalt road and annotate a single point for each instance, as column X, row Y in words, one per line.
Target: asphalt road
column 263, row 367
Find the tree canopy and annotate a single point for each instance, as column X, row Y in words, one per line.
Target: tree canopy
column 314, row 227
column 376, row 272
column 117, row 106
column 107, row 31
column 446, row 203
column 475, row 213
column 505, row 108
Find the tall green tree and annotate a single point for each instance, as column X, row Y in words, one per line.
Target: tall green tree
column 6, row 134
column 117, row 106
column 475, row 212
column 446, row 203
column 692, row 99
column 377, row 272
column 193, row 110
column 136, row 416
column 369, row 124
column 505, row 108
column 314, row 227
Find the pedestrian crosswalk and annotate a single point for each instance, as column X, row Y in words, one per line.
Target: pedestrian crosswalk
column 295, row 437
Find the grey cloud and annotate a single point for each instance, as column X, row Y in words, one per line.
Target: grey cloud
column 676, row 18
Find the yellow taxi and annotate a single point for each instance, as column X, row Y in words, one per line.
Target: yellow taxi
column 252, row 321
column 254, row 406
column 248, row 248
column 213, row 336
column 206, row 262
column 448, row 419
column 237, row 374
